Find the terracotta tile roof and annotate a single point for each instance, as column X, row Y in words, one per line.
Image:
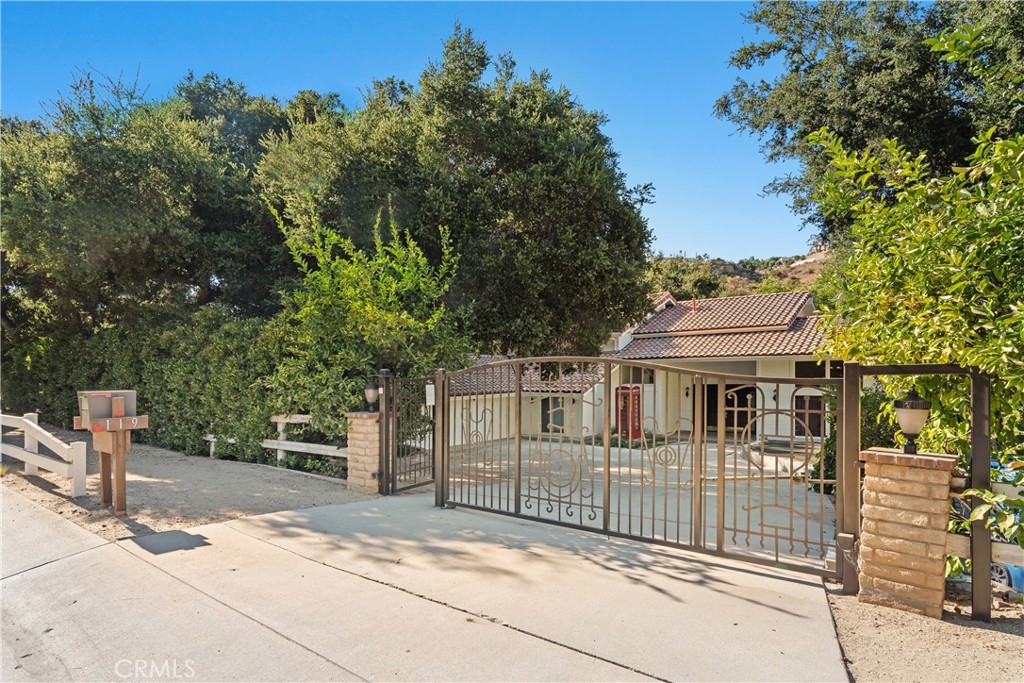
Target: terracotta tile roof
column 661, row 298
column 801, row 338
column 727, row 313
column 501, row 379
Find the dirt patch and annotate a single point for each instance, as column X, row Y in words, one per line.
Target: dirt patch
column 884, row 644
column 169, row 491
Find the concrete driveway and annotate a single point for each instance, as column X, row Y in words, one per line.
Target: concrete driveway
column 394, row 589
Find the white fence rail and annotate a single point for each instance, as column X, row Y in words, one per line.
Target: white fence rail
column 1006, row 553
column 68, row 459
column 283, row 446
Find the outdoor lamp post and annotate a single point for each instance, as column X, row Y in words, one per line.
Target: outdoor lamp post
column 911, row 413
column 372, row 392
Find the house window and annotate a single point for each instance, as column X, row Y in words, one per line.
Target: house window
column 641, row 376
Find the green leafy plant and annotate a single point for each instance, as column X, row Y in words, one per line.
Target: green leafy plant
column 1002, row 514
column 356, row 312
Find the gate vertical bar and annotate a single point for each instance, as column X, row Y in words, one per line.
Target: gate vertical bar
column 720, row 493
column 440, row 442
column 848, row 480
column 981, row 457
column 386, row 414
column 698, row 461
column 606, row 439
column 446, row 438
column 518, row 438
column 385, row 455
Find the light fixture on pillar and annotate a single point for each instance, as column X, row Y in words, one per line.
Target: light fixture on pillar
column 911, row 413
column 372, row 392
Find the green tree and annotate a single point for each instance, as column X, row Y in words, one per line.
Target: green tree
column 520, row 174
column 685, row 277
column 864, row 71
column 935, row 273
column 115, row 207
column 357, row 311
column 240, row 119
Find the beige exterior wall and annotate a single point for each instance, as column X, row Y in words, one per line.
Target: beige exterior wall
column 776, row 397
column 485, row 418
column 667, row 405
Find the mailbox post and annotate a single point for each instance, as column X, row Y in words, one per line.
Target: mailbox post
column 111, row 416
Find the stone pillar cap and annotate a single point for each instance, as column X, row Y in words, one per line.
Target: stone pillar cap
column 894, row 456
column 363, row 416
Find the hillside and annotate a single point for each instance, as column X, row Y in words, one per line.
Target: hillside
column 750, row 276
column 702, row 276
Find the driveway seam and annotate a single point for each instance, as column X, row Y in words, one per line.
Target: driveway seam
column 58, row 559
column 492, row 620
column 241, row 613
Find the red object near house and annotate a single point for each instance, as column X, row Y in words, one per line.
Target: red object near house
column 627, row 401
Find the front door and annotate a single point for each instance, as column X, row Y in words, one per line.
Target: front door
column 740, row 404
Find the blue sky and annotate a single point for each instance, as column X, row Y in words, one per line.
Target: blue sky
column 654, row 69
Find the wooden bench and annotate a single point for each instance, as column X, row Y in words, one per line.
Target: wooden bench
column 69, row 460
column 283, row 446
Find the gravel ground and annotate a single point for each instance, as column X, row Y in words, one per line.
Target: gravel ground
column 168, row 491
column 883, row 644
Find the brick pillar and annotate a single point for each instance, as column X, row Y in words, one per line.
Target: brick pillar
column 903, row 533
column 363, row 451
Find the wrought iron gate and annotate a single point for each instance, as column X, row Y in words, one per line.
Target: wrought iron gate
column 729, row 464
column 407, row 433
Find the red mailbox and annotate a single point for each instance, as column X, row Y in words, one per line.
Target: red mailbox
column 627, row 399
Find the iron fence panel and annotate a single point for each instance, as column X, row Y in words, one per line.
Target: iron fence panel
column 716, row 462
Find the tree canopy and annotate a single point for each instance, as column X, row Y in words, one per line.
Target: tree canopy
column 552, row 241
column 864, row 71
column 684, row 277
column 934, row 267
column 221, row 228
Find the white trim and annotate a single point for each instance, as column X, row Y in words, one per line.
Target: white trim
column 715, row 358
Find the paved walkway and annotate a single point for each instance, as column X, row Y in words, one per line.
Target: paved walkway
column 393, row 589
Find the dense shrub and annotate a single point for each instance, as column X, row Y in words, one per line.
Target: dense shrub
column 203, row 375
column 213, row 372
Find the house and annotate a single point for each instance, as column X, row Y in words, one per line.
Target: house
column 772, row 337
column 768, row 336
column 554, row 400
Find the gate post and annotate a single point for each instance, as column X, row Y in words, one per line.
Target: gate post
column 31, row 444
column 364, row 452
column 387, row 415
column 699, row 425
column 847, row 479
column 440, row 438
column 981, row 478
column 606, row 448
